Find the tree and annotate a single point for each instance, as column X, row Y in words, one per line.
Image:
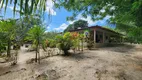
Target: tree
column 75, row 40
column 126, row 10
column 36, row 34
column 8, row 30
column 25, row 23
column 80, row 24
column 51, row 35
column 26, row 6
column 2, row 42
column 127, row 13
column 76, row 25
column 70, row 27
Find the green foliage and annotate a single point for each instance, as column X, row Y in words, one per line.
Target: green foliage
column 24, row 24
column 70, row 27
column 8, row 33
column 77, row 39
column 75, row 43
column 64, row 42
column 135, row 35
column 90, row 42
column 125, row 10
column 26, row 6
column 51, row 35
column 50, row 39
column 80, row 23
column 2, row 42
column 76, row 25
column 69, row 40
column 52, row 43
column 8, row 28
column 126, row 14
column 132, row 32
column 36, row 34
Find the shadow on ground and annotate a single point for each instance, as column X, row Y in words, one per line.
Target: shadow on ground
column 79, row 56
column 121, row 48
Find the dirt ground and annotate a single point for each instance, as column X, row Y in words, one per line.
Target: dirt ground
column 110, row 63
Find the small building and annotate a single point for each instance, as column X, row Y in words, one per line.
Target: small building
column 102, row 36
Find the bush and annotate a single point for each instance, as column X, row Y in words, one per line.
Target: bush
column 52, row 43
column 2, row 47
column 90, row 43
column 64, row 42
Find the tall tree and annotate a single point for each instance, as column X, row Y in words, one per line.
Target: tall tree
column 126, row 14
column 120, row 10
column 76, row 25
column 2, row 41
column 26, row 6
column 51, row 35
column 8, row 29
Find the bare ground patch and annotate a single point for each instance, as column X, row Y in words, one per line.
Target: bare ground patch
column 111, row 63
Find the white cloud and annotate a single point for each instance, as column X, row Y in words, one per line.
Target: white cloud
column 11, row 7
column 50, row 11
column 62, row 27
column 50, row 3
column 71, row 22
column 102, row 10
column 49, row 7
column 48, row 27
column 89, row 20
column 107, row 17
column 112, row 8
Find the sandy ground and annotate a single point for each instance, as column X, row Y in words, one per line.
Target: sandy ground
column 110, row 63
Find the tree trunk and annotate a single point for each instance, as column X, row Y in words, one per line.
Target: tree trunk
column 74, row 50
column 38, row 56
column 8, row 48
column 66, row 52
column 82, row 44
column 36, row 53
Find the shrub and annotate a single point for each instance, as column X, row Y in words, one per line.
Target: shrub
column 52, row 43
column 64, row 42
column 90, row 42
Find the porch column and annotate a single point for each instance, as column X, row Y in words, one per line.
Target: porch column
column 95, row 36
column 103, row 37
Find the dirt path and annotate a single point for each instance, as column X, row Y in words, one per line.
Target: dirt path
column 111, row 63
column 24, row 55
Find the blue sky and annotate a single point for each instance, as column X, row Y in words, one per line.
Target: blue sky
column 59, row 22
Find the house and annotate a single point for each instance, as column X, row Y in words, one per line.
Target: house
column 101, row 36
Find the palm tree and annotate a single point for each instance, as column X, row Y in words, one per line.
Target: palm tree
column 36, row 34
column 30, row 6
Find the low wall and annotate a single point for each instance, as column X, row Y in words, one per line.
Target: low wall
column 52, row 52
